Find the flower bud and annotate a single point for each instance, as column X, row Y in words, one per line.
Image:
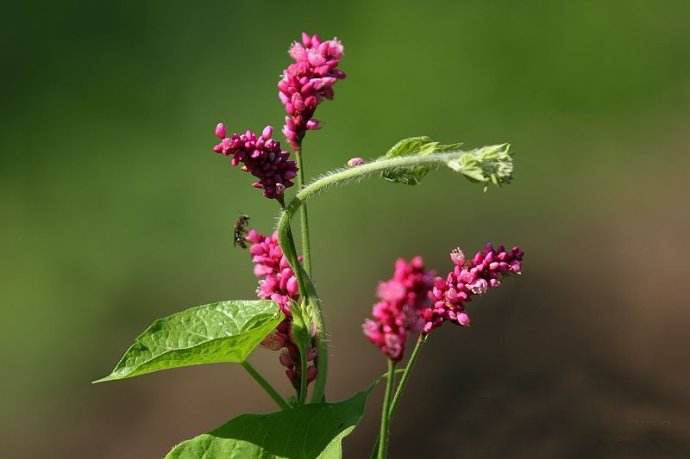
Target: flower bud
column 220, row 131
column 356, row 161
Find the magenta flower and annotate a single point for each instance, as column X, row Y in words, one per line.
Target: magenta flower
column 260, row 156
column 307, row 82
column 468, row 278
column 397, row 313
column 278, row 283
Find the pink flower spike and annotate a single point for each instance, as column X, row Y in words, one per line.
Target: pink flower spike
column 261, row 156
column 307, row 82
column 468, row 279
column 398, row 312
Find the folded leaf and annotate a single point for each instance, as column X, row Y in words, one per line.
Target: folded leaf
column 414, row 146
column 304, row 432
column 492, row 164
column 227, row 331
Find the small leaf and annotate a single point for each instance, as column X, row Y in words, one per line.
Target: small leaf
column 227, row 331
column 304, row 432
column 413, row 146
column 492, row 164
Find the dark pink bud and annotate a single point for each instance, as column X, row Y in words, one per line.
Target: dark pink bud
column 274, row 341
column 311, row 374
column 285, row 359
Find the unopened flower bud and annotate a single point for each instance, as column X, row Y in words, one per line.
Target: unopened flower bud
column 220, row 131
column 457, row 257
column 356, row 161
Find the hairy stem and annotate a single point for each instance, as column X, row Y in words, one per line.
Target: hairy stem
column 304, row 217
column 287, row 241
column 266, row 385
column 385, row 413
column 341, row 176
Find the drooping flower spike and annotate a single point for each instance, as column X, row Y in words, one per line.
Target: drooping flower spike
column 306, row 82
column 278, row 283
column 414, row 301
column 468, row 278
column 397, row 313
column 261, row 156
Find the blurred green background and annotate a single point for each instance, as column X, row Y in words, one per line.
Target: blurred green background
column 115, row 212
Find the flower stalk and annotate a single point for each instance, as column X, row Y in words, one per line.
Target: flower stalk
column 421, row 340
column 385, row 412
column 266, row 386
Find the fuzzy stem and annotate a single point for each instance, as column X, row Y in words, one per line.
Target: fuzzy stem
column 353, row 173
column 385, row 413
column 304, row 217
column 287, row 241
column 306, row 253
column 266, row 385
column 341, row 176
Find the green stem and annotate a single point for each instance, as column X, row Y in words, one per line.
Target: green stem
column 385, row 413
column 307, row 289
column 303, row 363
column 406, row 373
column 341, row 176
column 266, row 385
column 311, row 299
column 403, row 382
column 304, row 217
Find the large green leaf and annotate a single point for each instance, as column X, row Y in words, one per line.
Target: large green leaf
column 227, row 331
column 304, row 432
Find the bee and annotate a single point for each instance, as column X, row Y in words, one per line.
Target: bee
column 240, row 231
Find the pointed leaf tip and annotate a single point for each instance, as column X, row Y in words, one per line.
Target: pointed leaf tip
column 223, row 332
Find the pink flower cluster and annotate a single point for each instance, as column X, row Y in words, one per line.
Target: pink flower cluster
column 397, row 312
column 468, row 278
column 261, row 156
column 307, row 82
column 413, row 300
column 278, row 283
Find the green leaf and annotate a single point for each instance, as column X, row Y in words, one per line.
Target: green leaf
column 414, row 146
column 304, row 432
column 227, row 331
column 492, row 164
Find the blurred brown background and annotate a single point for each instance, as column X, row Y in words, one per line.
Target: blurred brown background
column 115, row 212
